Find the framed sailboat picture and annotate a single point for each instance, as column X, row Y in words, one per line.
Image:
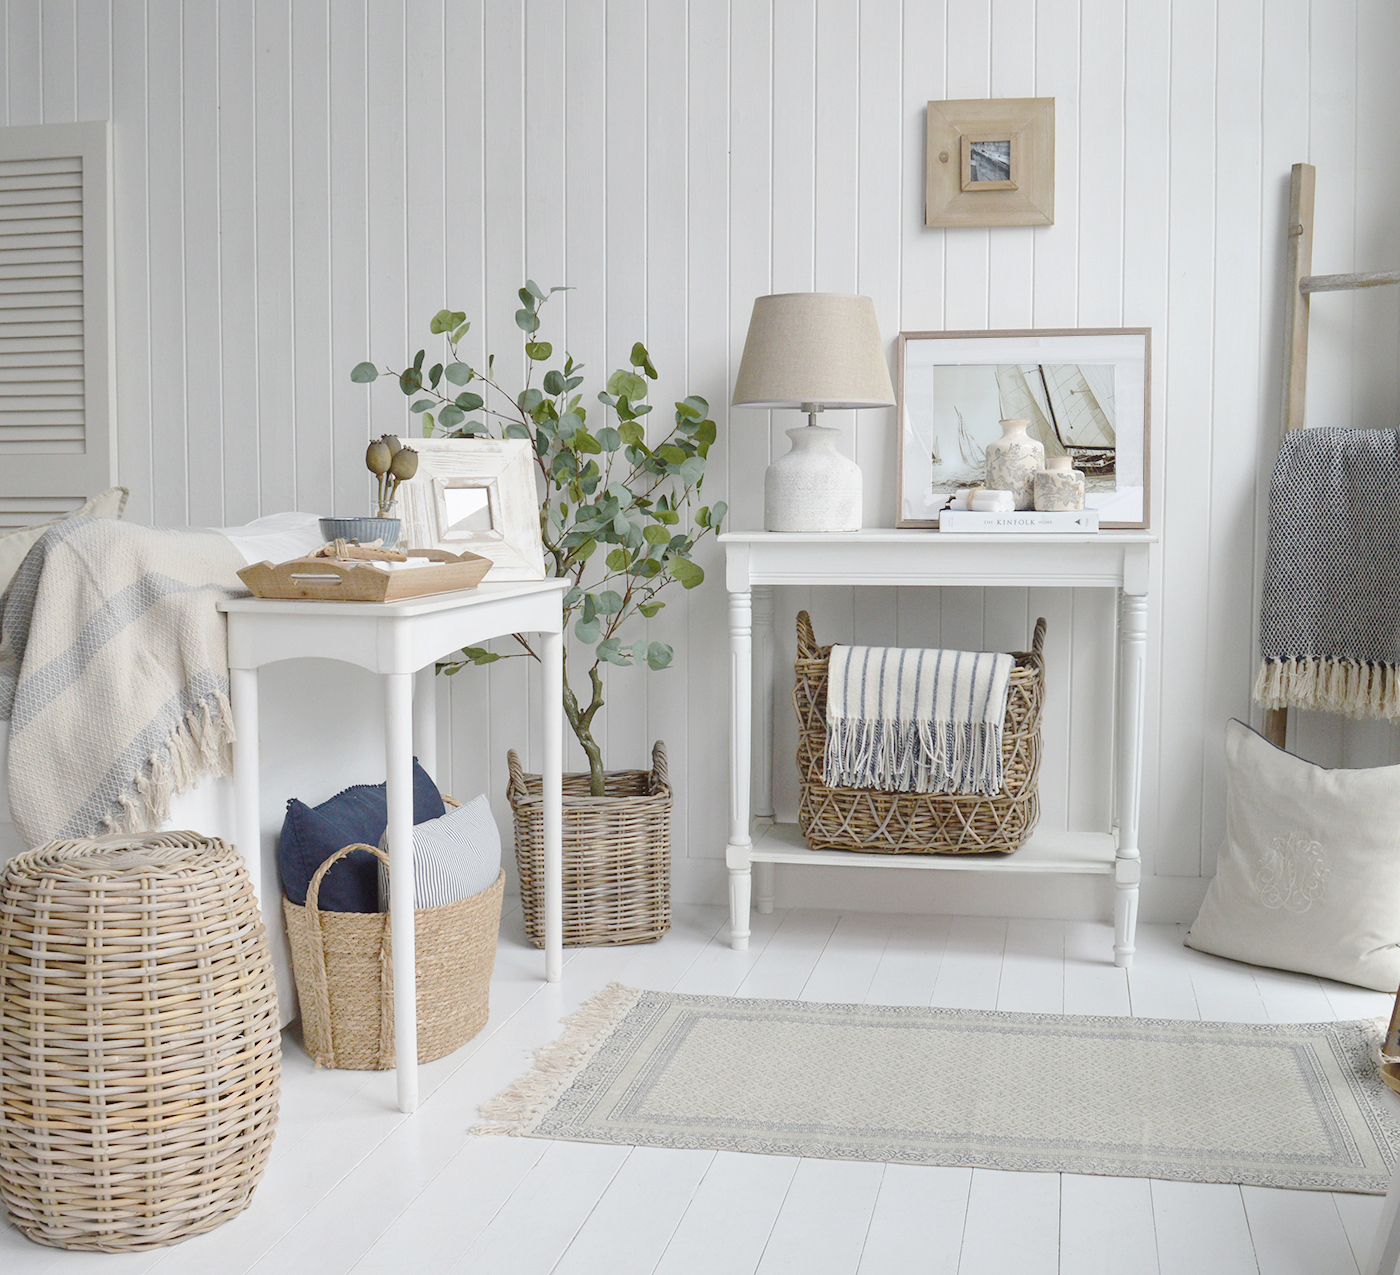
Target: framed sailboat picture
column 1085, row 391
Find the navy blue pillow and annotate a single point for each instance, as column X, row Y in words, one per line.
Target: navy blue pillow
column 359, row 814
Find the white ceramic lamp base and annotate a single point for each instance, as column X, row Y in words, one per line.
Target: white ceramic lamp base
column 813, row 487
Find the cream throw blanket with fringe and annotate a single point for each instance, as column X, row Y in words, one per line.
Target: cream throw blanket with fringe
column 1329, row 617
column 114, row 675
column 915, row 721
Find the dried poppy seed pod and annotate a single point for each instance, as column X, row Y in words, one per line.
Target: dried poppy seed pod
column 391, row 441
column 404, row 464
column 378, row 457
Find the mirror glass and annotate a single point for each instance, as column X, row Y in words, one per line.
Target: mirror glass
column 468, row 512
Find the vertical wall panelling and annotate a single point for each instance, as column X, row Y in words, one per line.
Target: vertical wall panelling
column 1229, row 513
column 24, row 63
column 240, row 355
column 709, row 344
column 131, row 253
column 466, row 755
column 274, row 323
column 301, row 186
column 204, row 318
column 317, row 379
column 1187, row 367
column 667, row 86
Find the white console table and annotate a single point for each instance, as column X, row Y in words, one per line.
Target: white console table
column 756, row 561
column 398, row 640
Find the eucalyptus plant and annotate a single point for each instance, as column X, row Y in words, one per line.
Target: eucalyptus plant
column 620, row 517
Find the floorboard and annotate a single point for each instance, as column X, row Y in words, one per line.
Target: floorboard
column 354, row 1186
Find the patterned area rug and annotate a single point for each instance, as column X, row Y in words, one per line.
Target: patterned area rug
column 1293, row 1105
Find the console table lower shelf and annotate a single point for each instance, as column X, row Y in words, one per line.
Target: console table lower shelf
column 1076, row 853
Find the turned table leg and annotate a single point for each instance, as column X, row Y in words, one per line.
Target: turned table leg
column 1132, row 685
column 740, row 757
column 398, row 759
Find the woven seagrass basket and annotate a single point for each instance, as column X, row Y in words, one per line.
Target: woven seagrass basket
column 343, row 962
column 140, row 1047
column 911, row 822
column 617, row 854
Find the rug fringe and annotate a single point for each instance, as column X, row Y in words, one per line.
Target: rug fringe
column 518, row 1110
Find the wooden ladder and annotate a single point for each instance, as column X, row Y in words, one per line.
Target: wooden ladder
column 1301, row 285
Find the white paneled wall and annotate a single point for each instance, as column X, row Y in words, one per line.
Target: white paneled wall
column 300, row 185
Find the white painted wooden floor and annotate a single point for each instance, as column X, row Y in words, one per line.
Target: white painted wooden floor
column 355, row 1186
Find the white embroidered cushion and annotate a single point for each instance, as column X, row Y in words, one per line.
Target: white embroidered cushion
column 454, row 857
column 1309, row 875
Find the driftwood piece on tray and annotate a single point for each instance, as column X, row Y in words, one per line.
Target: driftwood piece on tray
column 354, row 551
column 331, row 580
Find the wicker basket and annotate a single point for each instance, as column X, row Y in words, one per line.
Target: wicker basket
column 617, row 854
column 919, row 823
column 345, row 974
column 140, row 1050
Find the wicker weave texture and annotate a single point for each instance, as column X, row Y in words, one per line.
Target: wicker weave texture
column 617, row 854
column 919, row 823
column 140, row 1050
column 343, row 962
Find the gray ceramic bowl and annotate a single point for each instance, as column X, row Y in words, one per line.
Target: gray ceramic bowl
column 362, row 529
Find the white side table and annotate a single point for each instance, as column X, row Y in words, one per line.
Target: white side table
column 755, row 561
column 397, row 640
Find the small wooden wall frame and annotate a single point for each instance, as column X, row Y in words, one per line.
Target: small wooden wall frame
column 1026, row 198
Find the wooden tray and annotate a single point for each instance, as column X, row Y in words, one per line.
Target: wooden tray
column 329, row 580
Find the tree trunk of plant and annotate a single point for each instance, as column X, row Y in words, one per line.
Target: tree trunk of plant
column 581, row 722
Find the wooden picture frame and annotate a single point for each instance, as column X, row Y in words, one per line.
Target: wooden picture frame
column 1088, row 394
column 1025, row 198
column 477, row 495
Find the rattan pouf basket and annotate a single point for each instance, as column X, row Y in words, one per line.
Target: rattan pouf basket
column 140, row 1050
column 617, row 854
column 919, row 823
column 344, row 969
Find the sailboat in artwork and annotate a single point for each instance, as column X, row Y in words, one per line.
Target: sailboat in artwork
column 1068, row 413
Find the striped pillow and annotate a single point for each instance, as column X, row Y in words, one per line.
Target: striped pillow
column 454, row 857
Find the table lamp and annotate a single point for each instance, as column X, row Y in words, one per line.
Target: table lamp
column 813, row 351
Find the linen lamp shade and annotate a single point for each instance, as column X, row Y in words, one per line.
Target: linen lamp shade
column 813, row 347
column 813, row 351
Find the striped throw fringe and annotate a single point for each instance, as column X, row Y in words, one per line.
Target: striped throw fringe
column 916, row 721
column 1352, row 688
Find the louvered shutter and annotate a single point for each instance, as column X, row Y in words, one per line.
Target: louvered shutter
column 56, row 384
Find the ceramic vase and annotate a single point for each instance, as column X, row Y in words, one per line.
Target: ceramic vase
column 813, row 487
column 1059, row 486
column 1012, row 461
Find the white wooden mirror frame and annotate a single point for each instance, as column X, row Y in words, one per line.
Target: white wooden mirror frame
column 505, row 470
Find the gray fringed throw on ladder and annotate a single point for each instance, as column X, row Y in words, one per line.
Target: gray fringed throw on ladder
column 1329, row 620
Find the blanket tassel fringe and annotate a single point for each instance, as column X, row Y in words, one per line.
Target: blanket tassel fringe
column 518, row 1110
column 1348, row 687
column 198, row 747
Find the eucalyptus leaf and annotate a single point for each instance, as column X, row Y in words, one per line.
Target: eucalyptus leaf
column 421, row 405
column 618, row 559
column 363, row 373
column 469, row 402
column 609, row 602
column 588, row 630
column 458, row 373
column 659, row 655
column 610, row 649
column 538, row 351
column 649, row 609
column 527, row 321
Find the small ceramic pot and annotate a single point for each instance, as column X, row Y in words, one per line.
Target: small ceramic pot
column 385, row 530
column 1059, row 486
column 1012, row 461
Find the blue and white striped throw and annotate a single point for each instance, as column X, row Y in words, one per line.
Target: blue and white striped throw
column 915, row 721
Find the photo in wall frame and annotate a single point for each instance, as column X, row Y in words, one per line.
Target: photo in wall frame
column 477, row 495
column 1086, row 391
